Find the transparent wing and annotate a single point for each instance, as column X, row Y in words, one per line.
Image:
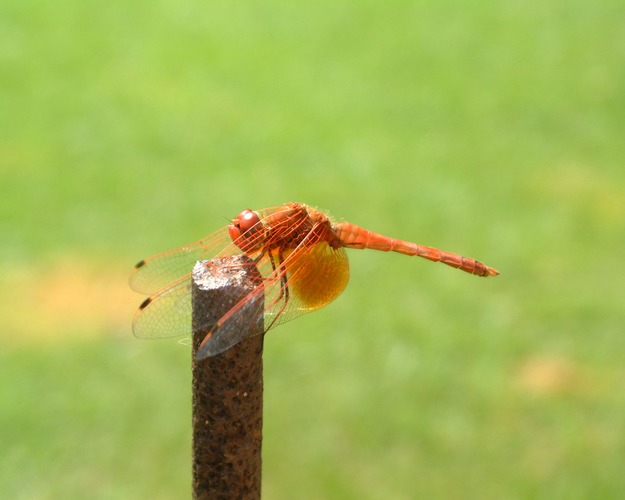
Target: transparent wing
column 167, row 276
column 158, row 271
column 167, row 313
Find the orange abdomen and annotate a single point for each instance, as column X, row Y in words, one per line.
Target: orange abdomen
column 353, row 236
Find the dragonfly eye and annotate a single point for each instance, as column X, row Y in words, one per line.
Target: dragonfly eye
column 244, row 230
column 247, row 220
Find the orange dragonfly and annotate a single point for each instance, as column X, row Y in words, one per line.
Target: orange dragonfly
column 298, row 250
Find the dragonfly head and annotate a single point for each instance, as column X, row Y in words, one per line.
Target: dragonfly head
column 247, row 232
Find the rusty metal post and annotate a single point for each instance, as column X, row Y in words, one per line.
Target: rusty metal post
column 227, row 388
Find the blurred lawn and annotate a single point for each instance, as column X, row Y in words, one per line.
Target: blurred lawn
column 494, row 129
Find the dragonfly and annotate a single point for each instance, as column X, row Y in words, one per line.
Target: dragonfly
column 300, row 254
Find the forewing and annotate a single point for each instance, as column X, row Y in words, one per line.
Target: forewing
column 158, row 271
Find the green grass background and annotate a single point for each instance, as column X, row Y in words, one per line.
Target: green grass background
column 490, row 128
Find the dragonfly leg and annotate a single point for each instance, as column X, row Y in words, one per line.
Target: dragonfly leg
column 260, row 256
column 284, row 287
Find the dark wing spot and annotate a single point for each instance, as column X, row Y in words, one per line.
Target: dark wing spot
column 139, row 264
column 145, row 303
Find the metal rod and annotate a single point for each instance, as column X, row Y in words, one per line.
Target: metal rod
column 227, row 387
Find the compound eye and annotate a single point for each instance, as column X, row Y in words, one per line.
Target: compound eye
column 247, row 220
column 247, row 232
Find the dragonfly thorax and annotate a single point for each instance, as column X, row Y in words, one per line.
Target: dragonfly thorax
column 294, row 225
